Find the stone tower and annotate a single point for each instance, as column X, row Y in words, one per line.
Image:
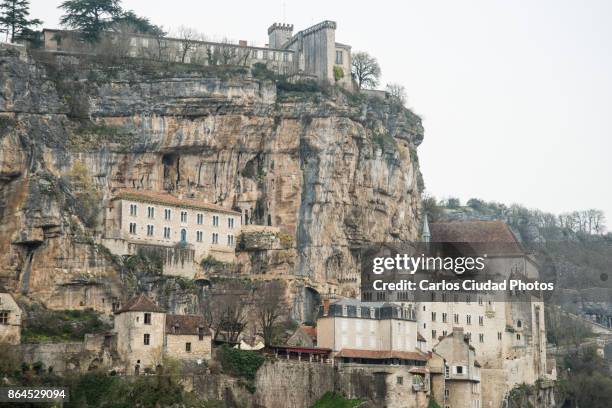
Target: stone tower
column 279, row 34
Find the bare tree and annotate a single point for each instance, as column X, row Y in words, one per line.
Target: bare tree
column 397, row 92
column 269, row 307
column 225, row 310
column 365, row 70
column 189, row 40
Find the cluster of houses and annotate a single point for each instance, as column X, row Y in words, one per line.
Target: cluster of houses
column 462, row 352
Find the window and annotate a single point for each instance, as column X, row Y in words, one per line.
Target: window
column 147, row 318
column 215, row 220
column 433, row 334
column 444, row 317
column 183, row 216
column 433, row 316
column 265, row 55
column 285, row 57
column 481, row 338
column 479, row 300
column 147, row 339
column 151, row 212
column 481, row 320
column 467, row 299
column 230, row 240
column 230, row 223
column 167, row 214
column 444, row 333
column 132, row 228
column 446, row 371
column 446, row 393
column 519, row 323
column 499, row 336
column 200, row 333
column 468, row 319
column 200, row 219
column 518, row 336
column 372, row 313
column 133, row 209
column 199, row 236
column 188, row 347
column 339, row 57
column 4, row 317
column 456, row 317
column 433, row 296
column 344, row 310
column 459, row 370
column 215, row 238
column 150, row 230
column 400, row 380
column 167, row 232
column 183, row 235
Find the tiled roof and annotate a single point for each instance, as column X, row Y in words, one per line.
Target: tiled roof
column 140, row 303
column 310, row 331
column 154, row 197
column 490, row 233
column 186, row 325
column 381, row 354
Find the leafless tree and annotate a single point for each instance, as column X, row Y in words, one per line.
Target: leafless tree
column 225, row 310
column 189, row 40
column 397, row 92
column 365, row 70
column 269, row 307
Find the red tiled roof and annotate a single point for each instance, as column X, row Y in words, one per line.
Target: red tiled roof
column 154, row 197
column 140, row 303
column 381, row 354
column 310, row 331
column 489, row 233
column 186, row 325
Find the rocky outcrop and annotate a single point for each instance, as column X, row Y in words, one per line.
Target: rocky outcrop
column 330, row 170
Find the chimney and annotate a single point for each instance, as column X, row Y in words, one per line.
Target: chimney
column 325, row 307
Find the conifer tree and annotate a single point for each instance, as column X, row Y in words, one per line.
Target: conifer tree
column 14, row 18
column 91, row 17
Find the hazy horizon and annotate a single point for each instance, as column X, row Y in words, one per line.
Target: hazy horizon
column 514, row 96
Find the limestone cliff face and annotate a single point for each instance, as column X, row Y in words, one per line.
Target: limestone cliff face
column 331, row 171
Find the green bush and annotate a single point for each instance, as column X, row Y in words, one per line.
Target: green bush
column 333, row 400
column 240, row 363
column 338, row 73
column 61, row 325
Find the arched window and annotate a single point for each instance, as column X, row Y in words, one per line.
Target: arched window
column 183, row 235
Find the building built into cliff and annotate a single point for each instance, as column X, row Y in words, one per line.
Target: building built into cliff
column 460, row 378
column 145, row 334
column 10, row 320
column 184, row 231
column 310, row 53
column 507, row 332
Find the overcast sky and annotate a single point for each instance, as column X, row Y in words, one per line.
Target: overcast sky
column 515, row 96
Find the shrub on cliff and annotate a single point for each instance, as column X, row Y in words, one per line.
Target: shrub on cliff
column 43, row 325
column 333, row 400
column 241, row 363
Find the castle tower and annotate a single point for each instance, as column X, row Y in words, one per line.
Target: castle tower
column 279, row 34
